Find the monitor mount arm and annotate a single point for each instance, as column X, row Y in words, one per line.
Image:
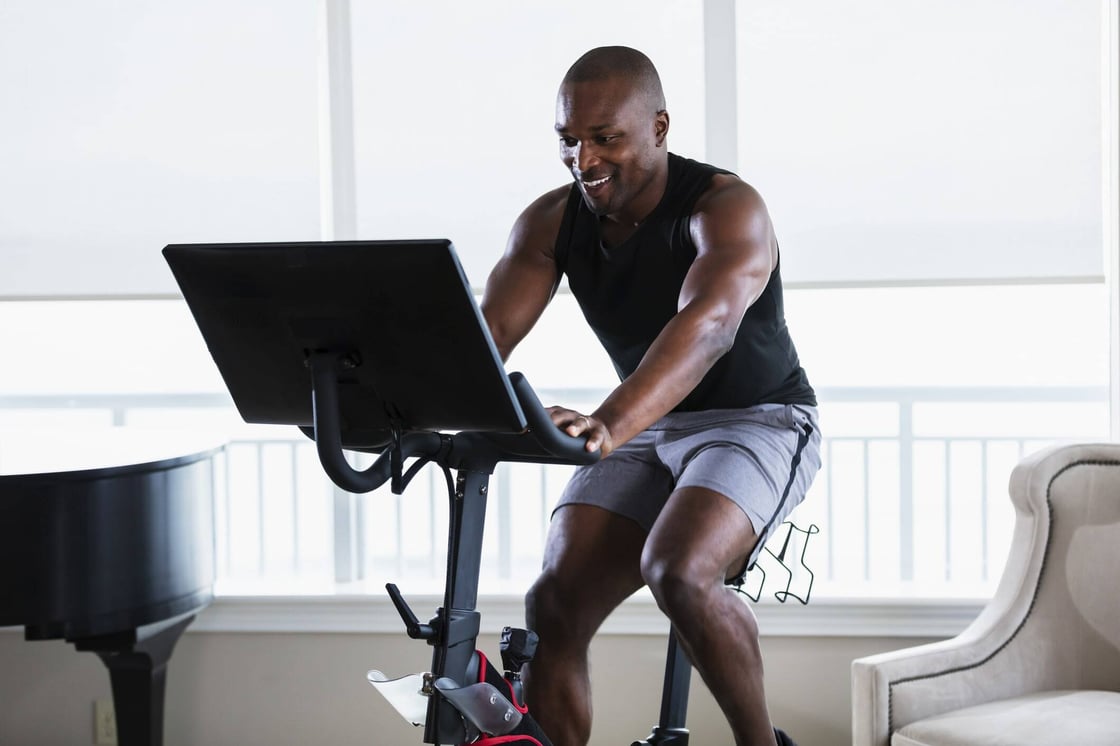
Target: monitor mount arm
column 325, row 367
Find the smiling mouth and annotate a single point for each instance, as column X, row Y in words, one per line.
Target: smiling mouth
column 595, row 183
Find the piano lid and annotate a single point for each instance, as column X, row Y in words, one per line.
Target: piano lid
column 80, row 451
column 103, row 531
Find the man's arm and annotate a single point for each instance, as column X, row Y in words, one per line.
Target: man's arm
column 525, row 278
column 735, row 254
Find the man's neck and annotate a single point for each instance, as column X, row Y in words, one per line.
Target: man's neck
column 641, row 207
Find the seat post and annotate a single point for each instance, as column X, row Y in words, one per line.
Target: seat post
column 670, row 730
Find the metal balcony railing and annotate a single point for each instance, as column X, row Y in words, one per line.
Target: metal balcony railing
column 902, row 499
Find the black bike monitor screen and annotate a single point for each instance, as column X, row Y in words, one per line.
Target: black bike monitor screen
column 417, row 353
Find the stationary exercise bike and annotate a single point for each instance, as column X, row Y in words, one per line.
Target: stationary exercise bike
column 380, row 347
column 464, row 699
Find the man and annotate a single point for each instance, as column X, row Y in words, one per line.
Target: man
column 710, row 439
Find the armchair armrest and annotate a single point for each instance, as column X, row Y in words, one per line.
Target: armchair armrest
column 1016, row 645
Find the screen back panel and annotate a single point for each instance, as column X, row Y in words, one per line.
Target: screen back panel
column 402, row 311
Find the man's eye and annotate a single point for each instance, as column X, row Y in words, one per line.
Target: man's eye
column 606, row 139
column 569, row 142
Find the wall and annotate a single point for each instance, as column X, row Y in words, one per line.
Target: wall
column 247, row 689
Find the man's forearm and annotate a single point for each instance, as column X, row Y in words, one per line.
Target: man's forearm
column 674, row 365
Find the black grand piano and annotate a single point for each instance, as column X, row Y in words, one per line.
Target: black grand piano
column 106, row 541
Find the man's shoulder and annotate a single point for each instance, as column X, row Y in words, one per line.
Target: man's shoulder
column 544, row 214
column 550, row 205
column 715, row 185
column 539, row 224
column 730, row 212
column 726, row 191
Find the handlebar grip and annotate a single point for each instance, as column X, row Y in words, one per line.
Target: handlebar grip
column 551, row 438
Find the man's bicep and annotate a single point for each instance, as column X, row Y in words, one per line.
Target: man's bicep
column 519, row 288
column 516, row 294
column 736, row 253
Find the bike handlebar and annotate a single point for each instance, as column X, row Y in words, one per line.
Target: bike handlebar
column 555, row 446
column 541, row 442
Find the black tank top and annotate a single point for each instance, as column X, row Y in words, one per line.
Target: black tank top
column 628, row 293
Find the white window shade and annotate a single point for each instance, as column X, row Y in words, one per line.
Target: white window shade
column 130, row 125
column 454, row 107
column 905, row 141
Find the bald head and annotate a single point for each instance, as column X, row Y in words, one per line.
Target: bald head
column 620, row 64
column 611, row 118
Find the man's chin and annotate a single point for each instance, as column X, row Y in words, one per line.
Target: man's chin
column 596, row 210
column 598, row 207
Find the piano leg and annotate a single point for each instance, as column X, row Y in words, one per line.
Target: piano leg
column 137, row 663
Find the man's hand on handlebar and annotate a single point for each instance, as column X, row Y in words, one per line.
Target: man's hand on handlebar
column 575, row 424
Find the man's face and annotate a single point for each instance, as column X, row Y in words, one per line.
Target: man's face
column 609, row 137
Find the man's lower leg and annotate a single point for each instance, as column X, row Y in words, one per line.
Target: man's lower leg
column 558, row 692
column 720, row 635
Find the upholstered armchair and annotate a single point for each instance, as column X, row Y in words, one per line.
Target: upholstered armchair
column 1041, row 663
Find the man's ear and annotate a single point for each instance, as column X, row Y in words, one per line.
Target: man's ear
column 661, row 127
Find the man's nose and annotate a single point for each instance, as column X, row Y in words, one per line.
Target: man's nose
column 585, row 157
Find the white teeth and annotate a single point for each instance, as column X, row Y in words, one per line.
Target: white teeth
column 597, row 182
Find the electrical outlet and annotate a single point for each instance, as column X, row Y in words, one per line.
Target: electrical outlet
column 104, row 723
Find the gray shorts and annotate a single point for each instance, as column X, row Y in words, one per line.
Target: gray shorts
column 762, row 458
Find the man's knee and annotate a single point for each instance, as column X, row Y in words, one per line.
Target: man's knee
column 679, row 586
column 682, row 585
column 541, row 599
column 553, row 609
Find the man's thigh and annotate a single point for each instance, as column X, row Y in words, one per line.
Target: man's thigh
column 701, row 534
column 761, row 460
column 631, row 483
column 592, row 560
